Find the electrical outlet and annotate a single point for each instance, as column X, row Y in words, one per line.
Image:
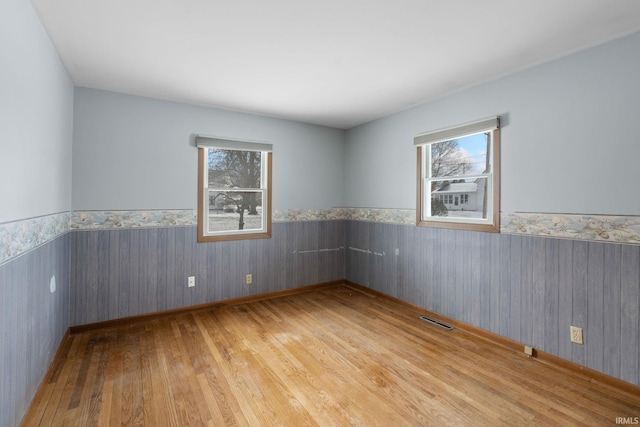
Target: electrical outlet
column 248, row 279
column 576, row 335
column 528, row 350
column 191, row 281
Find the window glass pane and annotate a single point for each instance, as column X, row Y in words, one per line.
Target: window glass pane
column 459, row 157
column 235, row 210
column 461, row 198
column 233, row 168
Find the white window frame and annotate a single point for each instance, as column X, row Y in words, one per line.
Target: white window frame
column 205, row 144
column 424, row 179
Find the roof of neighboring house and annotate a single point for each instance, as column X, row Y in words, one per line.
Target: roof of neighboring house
column 459, row 187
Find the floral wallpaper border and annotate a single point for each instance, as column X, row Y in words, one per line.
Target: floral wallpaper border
column 21, row 236
column 394, row 216
column 18, row 237
column 606, row 228
column 92, row 220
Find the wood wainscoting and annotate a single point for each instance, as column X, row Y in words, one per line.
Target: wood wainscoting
column 333, row 356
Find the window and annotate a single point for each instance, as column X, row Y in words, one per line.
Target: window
column 459, row 177
column 234, row 189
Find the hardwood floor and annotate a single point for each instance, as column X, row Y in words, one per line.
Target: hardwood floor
column 329, row 357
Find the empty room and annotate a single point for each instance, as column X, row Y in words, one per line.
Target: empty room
column 319, row 213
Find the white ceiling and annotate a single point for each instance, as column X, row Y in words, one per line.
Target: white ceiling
column 338, row 63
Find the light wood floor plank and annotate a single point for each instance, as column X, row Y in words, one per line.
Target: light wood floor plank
column 330, row 357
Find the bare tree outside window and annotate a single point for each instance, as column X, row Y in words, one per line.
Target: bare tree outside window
column 232, row 174
column 448, row 160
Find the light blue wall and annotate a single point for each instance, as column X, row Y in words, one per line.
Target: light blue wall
column 36, row 121
column 134, row 153
column 570, row 141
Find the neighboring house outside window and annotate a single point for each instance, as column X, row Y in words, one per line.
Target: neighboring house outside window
column 461, row 196
column 459, row 177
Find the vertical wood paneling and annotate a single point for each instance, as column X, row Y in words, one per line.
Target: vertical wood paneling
column 78, row 274
column 201, row 271
column 449, row 237
column 461, row 285
column 526, row 292
column 162, row 278
column 515, row 312
column 5, row 409
column 438, row 276
column 273, row 261
column 424, row 251
column 630, row 296
column 212, row 267
column 186, row 269
column 91, row 277
column 123, row 273
column 429, row 266
column 612, row 308
column 365, row 244
column 325, row 233
column 235, row 268
column 375, row 261
column 21, row 341
column 506, row 266
column 102, row 280
column 385, row 244
column 114, row 275
column 390, row 238
column 245, row 264
column 483, row 260
column 412, row 250
column 294, row 247
column 579, row 296
column 494, row 287
column 310, row 240
column 360, row 260
column 11, row 339
column 405, row 245
column 191, row 256
column 340, row 240
column 551, row 297
column 179, row 298
column 136, row 281
column 474, row 272
column 594, row 341
column 538, row 281
column 565, row 290
column 172, row 273
column 32, row 322
column 261, row 251
column 150, row 273
column 222, row 270
column 284, row 259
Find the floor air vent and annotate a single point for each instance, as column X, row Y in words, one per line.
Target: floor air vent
column 436, row 323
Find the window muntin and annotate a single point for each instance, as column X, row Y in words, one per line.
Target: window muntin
column 234, row 187
column 458, row 177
